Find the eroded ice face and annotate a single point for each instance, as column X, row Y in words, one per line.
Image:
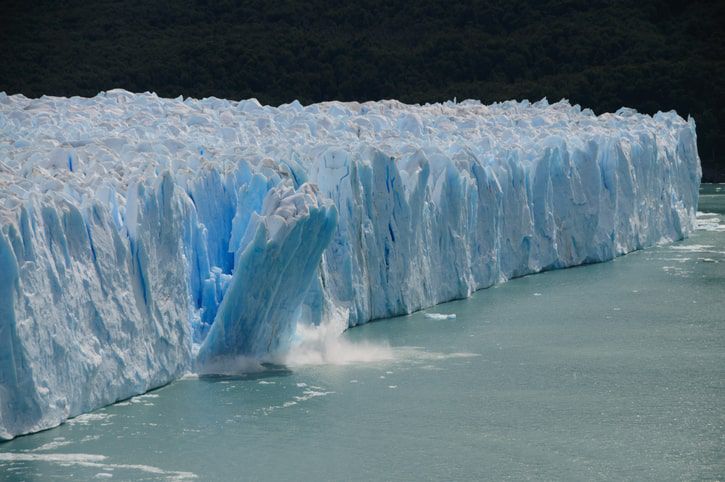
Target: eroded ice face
column 134, row 227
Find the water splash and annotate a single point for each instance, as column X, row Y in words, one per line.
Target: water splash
column 325, row 345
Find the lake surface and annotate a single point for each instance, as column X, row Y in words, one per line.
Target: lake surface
column 607, row 371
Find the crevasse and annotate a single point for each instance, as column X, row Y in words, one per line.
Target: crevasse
column 143, row 237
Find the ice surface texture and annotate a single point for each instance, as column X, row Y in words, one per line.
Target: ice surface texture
column 137, row 231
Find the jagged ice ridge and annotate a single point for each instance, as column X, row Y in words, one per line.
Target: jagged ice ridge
column 143, row 237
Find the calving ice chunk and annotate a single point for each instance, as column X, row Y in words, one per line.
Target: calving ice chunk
column 277, row 260
column 141, row 237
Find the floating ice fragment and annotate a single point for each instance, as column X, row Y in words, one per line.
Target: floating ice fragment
column 440, row 316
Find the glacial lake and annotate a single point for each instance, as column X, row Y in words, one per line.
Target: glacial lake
column 607, row 371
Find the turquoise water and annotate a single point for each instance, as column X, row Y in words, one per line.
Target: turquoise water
column 608, row 371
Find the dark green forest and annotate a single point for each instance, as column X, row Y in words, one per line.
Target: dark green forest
column 650, row 55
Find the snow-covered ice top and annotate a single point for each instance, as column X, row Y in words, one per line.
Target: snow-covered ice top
column 142, row 237
column 85, row 148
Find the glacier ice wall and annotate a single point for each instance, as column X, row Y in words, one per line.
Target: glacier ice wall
column 142, row 237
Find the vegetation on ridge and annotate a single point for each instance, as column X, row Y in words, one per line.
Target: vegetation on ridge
column 651, row 55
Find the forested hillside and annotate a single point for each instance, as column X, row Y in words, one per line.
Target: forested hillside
column 602, row 54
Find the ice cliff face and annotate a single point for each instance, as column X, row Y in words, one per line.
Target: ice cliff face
column 274, row 267
column 142, row 237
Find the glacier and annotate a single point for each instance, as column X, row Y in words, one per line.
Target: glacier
column 143, row 237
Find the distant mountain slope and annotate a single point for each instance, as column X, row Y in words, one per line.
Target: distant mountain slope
column 651, row 55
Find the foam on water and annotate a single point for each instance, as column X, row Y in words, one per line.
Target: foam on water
column 57, row 442
column 709, row 222
column 93, row 461
column 87, row 418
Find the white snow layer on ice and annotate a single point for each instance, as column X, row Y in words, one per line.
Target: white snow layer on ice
column 136, row 231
